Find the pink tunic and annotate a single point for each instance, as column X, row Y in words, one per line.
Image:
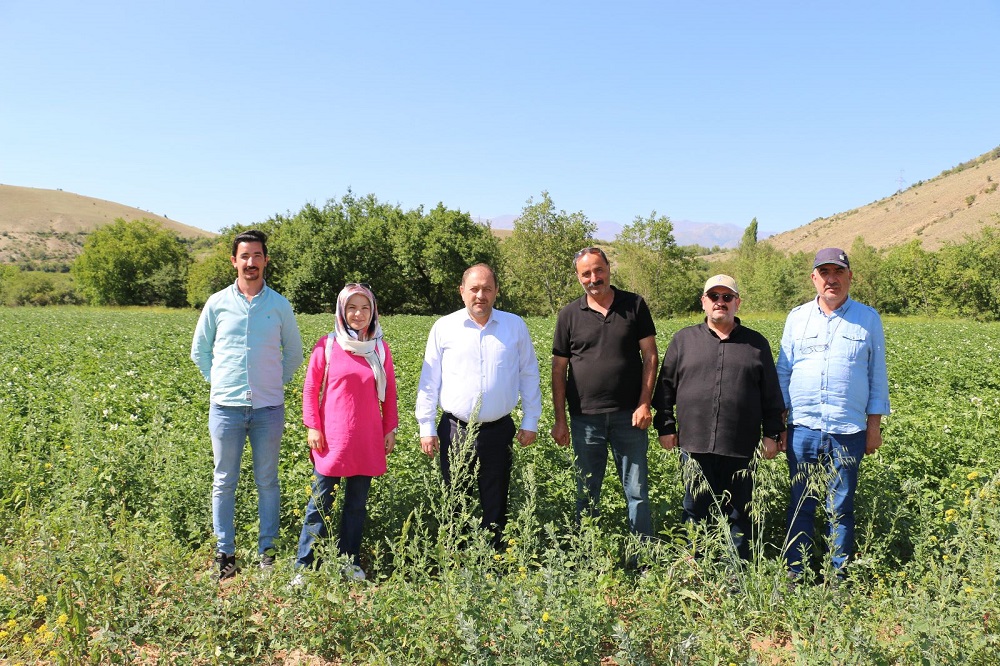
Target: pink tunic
column 353, row 425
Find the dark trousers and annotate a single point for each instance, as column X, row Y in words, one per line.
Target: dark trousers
column 722, row 481
column 352, row 522
column 490, row 464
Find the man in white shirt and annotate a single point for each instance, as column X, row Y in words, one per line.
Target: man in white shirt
column 478, row 361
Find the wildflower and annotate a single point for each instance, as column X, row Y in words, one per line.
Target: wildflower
column 973, row 475
column 28, row 639
column 3, row 634
column 11, row 624
column 512, row 541
column 41, row 600
column 540, row 631
column 522, row 569
column 497, row 557
column 62, row 620
column 969, row 590
column 42, row 629
column 950, row 514
column 3, row 580
column 545, row 616
column 946, row 557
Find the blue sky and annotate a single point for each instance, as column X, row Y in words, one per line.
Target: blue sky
column 221, row 112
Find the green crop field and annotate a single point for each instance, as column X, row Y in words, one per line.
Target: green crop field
column 106, row 546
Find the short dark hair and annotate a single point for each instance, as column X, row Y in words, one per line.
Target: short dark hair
column 590, row 250
column 484, row 266
column 250, row 236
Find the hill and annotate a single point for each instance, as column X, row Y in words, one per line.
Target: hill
column 47, row 226
column 959, row 202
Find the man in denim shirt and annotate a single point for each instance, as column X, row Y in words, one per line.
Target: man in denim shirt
column 832, row 373
column 247, row 345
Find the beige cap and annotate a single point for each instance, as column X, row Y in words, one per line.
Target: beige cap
column 721, row 281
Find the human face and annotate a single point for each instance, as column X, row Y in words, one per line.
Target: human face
column 832, row 283
column 479, row 292
column 249, row 262
column 720, row 314
column 594, row 275
column 358, row 312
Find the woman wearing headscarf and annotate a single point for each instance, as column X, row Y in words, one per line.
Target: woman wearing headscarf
column 349, row 408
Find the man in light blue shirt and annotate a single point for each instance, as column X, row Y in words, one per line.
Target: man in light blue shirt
column 247, row 345
column 832, row 373
column 478, row 361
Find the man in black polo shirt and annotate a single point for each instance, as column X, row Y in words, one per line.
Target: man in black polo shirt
column 721, row 377
column 604, row 365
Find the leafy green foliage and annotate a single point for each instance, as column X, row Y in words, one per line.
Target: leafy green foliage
column 538, row 275
column 132, row 263
column 648, row 261
column 107, row 545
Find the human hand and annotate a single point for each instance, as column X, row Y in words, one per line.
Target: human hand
column 526, row 437
column 390, row 442
column 771, row 447
column 316, row 440
column 560, row 433
column 873, row 440
column 642, row 417
column 668, row 442
column 429, row 445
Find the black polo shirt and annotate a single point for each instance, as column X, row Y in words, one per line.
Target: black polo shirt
column 725, row 391
column 605, row 364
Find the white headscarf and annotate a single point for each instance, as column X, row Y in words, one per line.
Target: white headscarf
column 367, row 343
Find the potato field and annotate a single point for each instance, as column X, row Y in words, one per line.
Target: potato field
column 106, row 541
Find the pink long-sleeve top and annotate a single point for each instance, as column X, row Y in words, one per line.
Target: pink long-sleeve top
column 353, row 423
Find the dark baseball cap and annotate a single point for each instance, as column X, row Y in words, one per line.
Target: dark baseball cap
column 831, row 255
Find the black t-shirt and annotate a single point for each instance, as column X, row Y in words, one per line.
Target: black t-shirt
column 605, row 364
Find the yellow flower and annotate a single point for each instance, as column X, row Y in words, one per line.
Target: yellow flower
column 545, row 616
column 41, row 600
column 969, row 590
column 950, row 514
column 3, row 634
column 512, row 541
column 3, row 579
column 11, row 624
column 27, row 639
column 62, row 620
column 540, row 631
column 946, row 557
column 522, row 569
column 973, row 475
column 42, row 629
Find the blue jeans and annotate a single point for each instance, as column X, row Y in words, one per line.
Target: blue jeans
column 230, row 428
column 352, row 522
column 592, row 433
column 832, row 461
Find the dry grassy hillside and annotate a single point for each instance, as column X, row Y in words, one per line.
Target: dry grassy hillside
column 960, row 201
column 50, row 225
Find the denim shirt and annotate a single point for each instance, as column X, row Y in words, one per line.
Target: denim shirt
column 248, row 350
column 831, row 369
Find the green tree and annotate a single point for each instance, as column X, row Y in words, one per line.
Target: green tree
column 866, row 268
column 433, row 250
column 538, row 257
column 907, row 282
column 132, row 263
column 649, row 262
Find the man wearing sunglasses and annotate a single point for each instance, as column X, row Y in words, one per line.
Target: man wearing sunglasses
column 833, row 378
column 604, row 363
column 720, row 377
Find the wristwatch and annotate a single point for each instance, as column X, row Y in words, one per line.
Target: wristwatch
column 776, row 437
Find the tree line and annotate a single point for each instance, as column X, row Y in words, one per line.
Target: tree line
column 414, row 260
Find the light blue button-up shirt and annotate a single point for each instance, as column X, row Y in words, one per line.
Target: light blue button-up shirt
column 248, row 350
column 832, row 368
column 466, row 366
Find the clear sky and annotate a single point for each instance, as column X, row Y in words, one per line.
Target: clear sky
column 217, row 112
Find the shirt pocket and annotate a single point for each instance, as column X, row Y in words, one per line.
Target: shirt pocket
column 854, row 343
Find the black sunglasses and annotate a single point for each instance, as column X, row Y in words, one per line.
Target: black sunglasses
column 726, row 298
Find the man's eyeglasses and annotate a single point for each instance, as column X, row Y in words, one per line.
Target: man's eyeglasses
column 726, row 298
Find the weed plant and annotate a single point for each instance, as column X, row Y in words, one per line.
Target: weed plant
column 106, row 546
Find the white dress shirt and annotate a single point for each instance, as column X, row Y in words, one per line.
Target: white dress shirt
column 466, row 366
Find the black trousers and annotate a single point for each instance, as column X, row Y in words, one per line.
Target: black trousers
column 489, row 464
column 729, row 484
